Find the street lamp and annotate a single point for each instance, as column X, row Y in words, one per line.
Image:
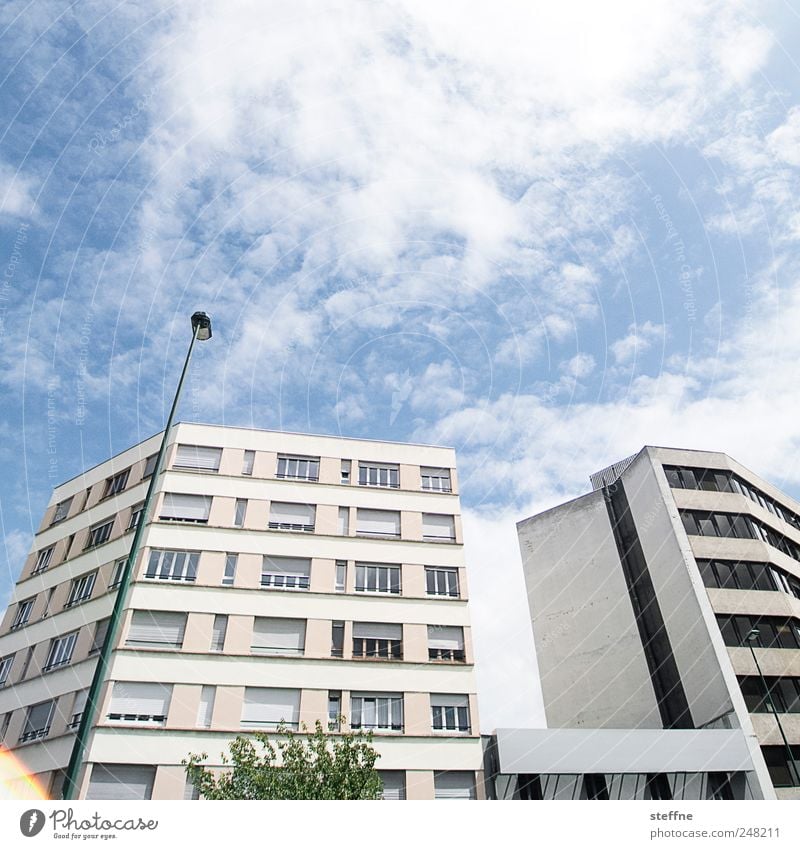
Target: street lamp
column 751, row 637
column 201, row 329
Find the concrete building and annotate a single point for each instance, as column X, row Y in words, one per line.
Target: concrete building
column 281, row 577
column 643, row 594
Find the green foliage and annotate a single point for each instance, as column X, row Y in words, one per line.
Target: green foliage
column 296, row 766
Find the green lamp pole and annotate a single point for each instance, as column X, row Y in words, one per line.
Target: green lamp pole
column 791, row 764
column 201, row 329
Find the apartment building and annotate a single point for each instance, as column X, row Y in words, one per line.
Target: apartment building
column 669, row 598
column 281, row 578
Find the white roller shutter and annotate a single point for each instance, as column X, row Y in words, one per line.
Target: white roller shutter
column 193, row 508
column 445, row 637
column 298, row 566
column 344, row 521
column 394, row 784
column 454, row 785
column 283, row 513
column 438, row 526
column 268, row 706
column 449, row 700
column 157, row 627
column 278, row 636
column 206, row 708
column 123, row 783
column 197, row 457
column 378, row 522
column 139, row 699
column 378, row 630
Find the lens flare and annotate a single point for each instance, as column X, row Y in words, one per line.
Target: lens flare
column 15, row 780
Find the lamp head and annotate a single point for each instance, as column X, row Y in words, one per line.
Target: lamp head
column 201, row 325
column 752, row 635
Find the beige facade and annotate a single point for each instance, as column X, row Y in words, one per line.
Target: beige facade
column 281, row 577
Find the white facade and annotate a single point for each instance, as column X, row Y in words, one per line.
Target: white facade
column 281, row 576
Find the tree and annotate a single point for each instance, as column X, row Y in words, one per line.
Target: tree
column 300, row 766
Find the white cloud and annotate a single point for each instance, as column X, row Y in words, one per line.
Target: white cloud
column 639, row 338
column 16, row 193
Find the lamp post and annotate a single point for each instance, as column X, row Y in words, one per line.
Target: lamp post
column 201, row 329
column 751, row 637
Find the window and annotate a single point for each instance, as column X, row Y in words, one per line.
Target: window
column 157, row 629
column 334, row 710
column 446, row 642
column 140, row 701
column 68, row 546
column 774, row 632
column 60, row 653
column 441, row 581
column 784, row 693
column 292, row 517
column 239, row 512
column 229, row 575
column 298, row 468
column 37, row 721
column 346, row 467
column 379, row 474
column 248, row 462
column 449, row 712
column 377, row 578
column 377, row 523
column 286, row 573
column 116, row 575
column 98, row 534
column 218, row 632
column 278, row 636
column 199, row 458
column 438, row 528
column 120, row 782
column 81, row 589
column 27, row 662
column 341, row 575
column 116, row 483
column 5, row 667
column 435, row 479
column 168, row 565
column 61, row 511
column 78, row 707
column 136, row 516
column 205, row 709
column 50, row 594
column 337, row 638
column 394, row 784
column 149, row 466
column 454, row 785
column 43, row 560
column 100, row 631
column 724, row 481
column 376, row 711
column 739, row 575
column 23, row 614
column 268, row 707
column 182, row 507
column 781, row 771
column 344, row 521
column 378, row 640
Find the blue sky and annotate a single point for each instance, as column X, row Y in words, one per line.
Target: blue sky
column 546, row 234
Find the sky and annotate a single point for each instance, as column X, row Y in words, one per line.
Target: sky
column 546, row 234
